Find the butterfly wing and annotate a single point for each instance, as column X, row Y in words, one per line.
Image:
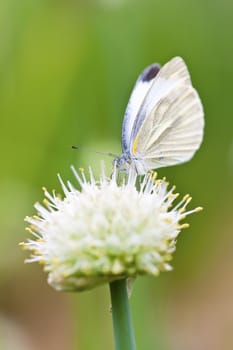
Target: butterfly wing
column 140, row 90
column 169, row 125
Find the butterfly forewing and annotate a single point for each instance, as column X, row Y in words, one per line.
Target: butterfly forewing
column 138, row 94
column 170, row 75
column 171, row 129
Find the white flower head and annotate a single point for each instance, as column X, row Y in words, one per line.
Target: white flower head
column 106, row 231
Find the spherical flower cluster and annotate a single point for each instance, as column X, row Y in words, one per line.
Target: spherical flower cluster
column 107, row 230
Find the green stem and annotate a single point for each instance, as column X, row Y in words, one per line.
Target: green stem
column 122, row 324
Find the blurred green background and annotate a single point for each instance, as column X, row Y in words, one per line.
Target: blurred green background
column 66, row 71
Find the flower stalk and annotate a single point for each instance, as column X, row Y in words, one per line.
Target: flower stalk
column 122, row 323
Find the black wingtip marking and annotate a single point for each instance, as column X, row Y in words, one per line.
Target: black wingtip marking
column 150, row 72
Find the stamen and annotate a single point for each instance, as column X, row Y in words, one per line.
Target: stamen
column 196, row 210
column 78, row 178
column 66, row 192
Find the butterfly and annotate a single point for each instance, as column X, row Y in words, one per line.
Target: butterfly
column 164, row 119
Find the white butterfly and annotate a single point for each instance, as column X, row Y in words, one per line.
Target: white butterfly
column 164, row 120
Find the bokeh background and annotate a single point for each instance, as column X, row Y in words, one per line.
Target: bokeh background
column 66, row 71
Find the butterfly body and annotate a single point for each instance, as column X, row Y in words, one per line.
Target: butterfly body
column 126, row 161
column 164, row 120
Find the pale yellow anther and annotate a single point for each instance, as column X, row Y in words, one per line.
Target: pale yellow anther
column 183, row 226
column 168, row 220
column 46, row 202
column 55, row 260
column 153, row 176
column 198, row 209
column 186, row 197
column 182, row 217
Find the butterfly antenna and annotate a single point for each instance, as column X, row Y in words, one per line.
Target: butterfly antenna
column 93, row 151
